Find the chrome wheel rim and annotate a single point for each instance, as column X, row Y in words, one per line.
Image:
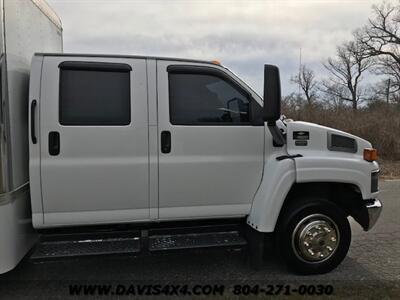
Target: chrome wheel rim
column 315, row 238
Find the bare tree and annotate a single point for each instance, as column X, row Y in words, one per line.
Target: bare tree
column 380, row 39
column 384, row 91
column 346, row 71
column 292, row 102
column 380, row 91
column 334, row 95
column 307, row 82
column 390, row 69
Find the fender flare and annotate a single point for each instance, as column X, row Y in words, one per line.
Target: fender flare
column 280, row 176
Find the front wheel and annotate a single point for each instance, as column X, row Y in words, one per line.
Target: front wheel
column 314, row 235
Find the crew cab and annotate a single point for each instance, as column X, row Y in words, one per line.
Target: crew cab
column 131, row 153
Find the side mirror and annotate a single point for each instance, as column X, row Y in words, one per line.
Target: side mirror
column 272, row 103
column 272, row 94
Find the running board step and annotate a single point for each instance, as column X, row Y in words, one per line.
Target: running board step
column 72, row 248
column 56, row 246
column 195, row 240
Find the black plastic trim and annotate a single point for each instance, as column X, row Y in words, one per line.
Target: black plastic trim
column 278, row 138
column 95, row 66
column 374, row 181
column 54, row 143
column 272, row 94
column 279, row 158
column 166, row 142
column 188, row 69
column 33, row 130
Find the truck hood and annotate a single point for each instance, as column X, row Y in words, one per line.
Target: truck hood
column 312, row 139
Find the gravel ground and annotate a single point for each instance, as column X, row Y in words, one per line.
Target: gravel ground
column 370, row 271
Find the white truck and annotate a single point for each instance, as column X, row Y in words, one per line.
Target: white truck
column 107, row 154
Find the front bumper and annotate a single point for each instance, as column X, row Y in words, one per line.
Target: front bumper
column 373, row 209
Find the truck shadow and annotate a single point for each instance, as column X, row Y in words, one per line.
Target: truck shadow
column 195, row 267
column 192, row 265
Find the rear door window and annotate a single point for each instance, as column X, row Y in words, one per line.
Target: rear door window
column 94, row 94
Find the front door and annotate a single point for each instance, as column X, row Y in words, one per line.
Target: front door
column 211, row 156
column 94, row 140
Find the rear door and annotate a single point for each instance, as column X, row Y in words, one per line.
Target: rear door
column 210, row 155
column 94, row 140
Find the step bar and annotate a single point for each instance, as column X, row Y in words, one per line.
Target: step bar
column 196, row 240
column 84, row 248
column 134, row 242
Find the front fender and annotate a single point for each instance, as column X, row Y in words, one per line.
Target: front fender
column 337, row 169
column 278, row 178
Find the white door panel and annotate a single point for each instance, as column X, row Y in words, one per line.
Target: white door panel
column 101, row 172
column 211, row 170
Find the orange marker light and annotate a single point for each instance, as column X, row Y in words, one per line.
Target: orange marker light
column 216, row 62
column 370, row 154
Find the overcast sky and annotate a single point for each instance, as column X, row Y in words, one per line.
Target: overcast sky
column 243, row 35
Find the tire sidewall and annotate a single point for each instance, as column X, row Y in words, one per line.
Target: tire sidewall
column 300, row 209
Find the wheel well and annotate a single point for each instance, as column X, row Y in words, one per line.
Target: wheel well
column 347, row 196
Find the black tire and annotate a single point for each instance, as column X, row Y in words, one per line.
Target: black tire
column 296, row 225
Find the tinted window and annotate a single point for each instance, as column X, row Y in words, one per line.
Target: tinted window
column 201, row 99
column 94, row 96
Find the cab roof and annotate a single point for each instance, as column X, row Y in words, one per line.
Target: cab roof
column 127, row 56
